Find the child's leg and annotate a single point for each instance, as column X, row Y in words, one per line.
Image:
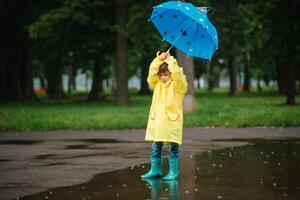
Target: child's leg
column 173, row 162
column 173, row 150
column 156, row 161
column 156, row 149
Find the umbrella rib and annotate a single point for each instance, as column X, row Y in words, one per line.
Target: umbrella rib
column 194, row 38
column 179, row 34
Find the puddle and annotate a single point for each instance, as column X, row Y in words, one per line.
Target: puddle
column 44, row 156
column 55, row 164
column 20, row 142
column 263, row 169
column 5, row 160
column 77, row 146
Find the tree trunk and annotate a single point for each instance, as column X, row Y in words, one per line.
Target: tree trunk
column 121, row 48
column 54, row 81
column 281, row 74
column 290, row 71
column 259, row 88
column 144, row 74
column 247, row 77
column 2, row 80
column 16, row 70
column 96, row 92
column 189, row 103
column 198, row 83
column 210, row 81
column 232, row 77
column 42, row 81
column 72, row 77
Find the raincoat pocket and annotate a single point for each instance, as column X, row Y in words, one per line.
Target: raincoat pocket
column 172, row 116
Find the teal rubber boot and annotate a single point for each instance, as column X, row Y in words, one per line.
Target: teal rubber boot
column 173, row 170
column 156, row 168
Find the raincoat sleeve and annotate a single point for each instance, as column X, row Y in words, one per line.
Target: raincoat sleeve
column 177, row 75
column 153, row 70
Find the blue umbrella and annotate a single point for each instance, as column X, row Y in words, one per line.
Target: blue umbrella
column 186, row 27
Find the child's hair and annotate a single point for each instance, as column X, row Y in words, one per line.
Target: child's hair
column 163, row 69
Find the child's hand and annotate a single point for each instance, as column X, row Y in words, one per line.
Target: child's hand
column 164, row 55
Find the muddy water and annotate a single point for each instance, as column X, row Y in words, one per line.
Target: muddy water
column 258, row 171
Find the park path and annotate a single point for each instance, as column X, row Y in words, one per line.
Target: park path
column 32, row 162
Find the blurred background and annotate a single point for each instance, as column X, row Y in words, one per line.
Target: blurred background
column 59, row 58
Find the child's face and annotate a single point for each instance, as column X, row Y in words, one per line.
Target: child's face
column 164, row 77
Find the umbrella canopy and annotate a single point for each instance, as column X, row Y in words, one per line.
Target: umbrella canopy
column 186, row 27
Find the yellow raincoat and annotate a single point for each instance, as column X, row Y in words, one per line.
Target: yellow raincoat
column 165, row 119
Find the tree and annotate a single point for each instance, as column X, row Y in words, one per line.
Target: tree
column 90, row 25
column 15, row 59
column 189, row 103
column 122, row 95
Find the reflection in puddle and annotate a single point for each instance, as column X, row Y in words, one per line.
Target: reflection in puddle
column 163, row 189
column 259, row 170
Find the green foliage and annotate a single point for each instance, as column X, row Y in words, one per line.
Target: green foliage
column 74, row 33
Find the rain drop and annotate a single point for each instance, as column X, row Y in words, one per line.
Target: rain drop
column 221, row 165
column 82, row 187
column 219, row 197
column 278, row 163
column 214, row 165
column 196, row 189
column 195, row 177
column 186, row 192
column 265, row 162
column 274, row 184
column 46, row 197
column 198, row 168
column 124, row 185
column 117, row 195
column 166, row 189
column 261, row 181
column 285, row 195
column 191, row 156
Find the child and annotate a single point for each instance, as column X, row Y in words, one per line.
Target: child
column 165, row 119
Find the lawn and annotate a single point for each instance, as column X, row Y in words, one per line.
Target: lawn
column 214, row 109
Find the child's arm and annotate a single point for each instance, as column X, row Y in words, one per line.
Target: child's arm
column 177, row 75
column 153, row 69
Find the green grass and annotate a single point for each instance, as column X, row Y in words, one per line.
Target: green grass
column 214, row 109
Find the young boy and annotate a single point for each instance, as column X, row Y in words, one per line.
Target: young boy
column 165, row 119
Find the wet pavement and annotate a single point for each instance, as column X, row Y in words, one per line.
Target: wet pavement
column 257, row 163
column 259, row 170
